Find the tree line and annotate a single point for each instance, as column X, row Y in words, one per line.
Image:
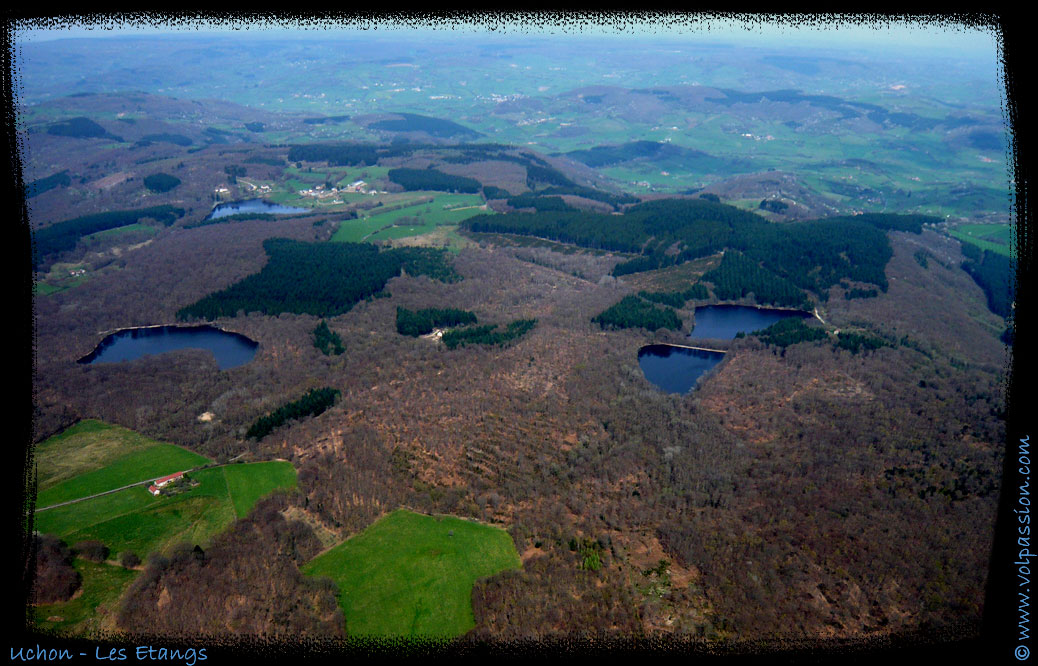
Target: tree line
column 412, row 122
column 431, row 179
column 422, row 322
column 995, row 274
column 490, row 334
column 63, row 236
column 677, row 299
column 41, row 185
column 539, row 203
column 314, row 402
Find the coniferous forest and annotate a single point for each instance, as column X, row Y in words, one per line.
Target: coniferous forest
column 995, row 274
column 789, row 332
column 312, row 404
column 677, row 299
column 327, row 340
column 811, row 255
column 489, row 334
column 431, row 179
column 467, row 290
column 63, row 236
column 632, row 312
column 322, row 279
column 422, row 322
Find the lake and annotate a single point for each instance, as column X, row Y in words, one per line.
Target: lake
column 723, row 322
column 229, row 349
column 252, row 206
column 676, row 369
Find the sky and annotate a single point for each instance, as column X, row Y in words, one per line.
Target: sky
column 847, row 32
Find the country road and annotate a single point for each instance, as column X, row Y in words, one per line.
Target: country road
column 136, row 483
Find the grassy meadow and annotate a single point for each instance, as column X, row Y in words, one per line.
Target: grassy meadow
column 92, row 457
column 410, row 574
column 994, row 237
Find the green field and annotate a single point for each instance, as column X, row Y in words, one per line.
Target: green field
column 247, row 483
column 88, row 446
column 118, row 231
column 93, row 456
column 59, row 279
column 408, row 575
column 149, row 463
column 45, row 289
column 134, row 519
column 444, row 209
column 994, row 237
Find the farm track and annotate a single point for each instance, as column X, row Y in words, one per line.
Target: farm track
column 132, row 485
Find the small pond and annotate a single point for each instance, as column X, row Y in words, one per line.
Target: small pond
column 723, row 322
column 229, row 349
column 676, row 369
column 252, row 206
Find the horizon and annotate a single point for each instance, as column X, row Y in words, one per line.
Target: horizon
column 761, row 31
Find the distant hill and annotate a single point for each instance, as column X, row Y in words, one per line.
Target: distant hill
column 435, row 127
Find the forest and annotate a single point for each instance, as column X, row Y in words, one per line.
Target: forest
column 811, row 255
column 632, row 312
column 788, row 332
column 325, row 119
column 81, row 128
column 738, row 276
column 538, row 202
column 63, row 236
column 677, row 299
column 246, row 581
column 322, row 279
column 312, row 404
column 422, row 322
column 431, row 179
column 995, row 274
column 161, row 182
column 368, row 154
column 327, row 340
column 492, row 192
column 236, row 217
column 572, row 446
column 490, row 334
column 38, row 187
column 164, row 137
column 815, row 483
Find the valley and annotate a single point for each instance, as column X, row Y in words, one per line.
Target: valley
column 450, row 262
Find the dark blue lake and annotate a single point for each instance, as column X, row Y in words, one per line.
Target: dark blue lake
column 723, row 322
column 229, row 349
column 676, row 369
column 252, row 206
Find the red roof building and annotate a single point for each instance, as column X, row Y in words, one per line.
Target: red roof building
column 159, row 483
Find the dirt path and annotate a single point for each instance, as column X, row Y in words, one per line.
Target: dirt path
column 137, row 483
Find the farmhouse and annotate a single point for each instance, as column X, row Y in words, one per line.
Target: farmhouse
column 155, row 488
